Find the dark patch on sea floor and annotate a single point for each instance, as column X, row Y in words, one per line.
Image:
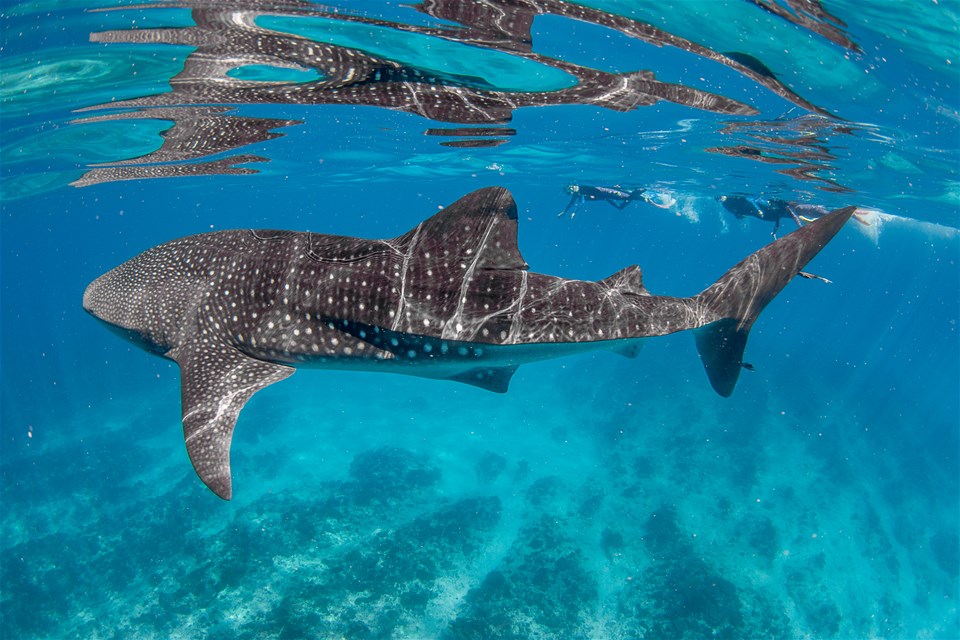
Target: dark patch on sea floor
column 672, row 533
column 360, row 558
column 945, row 546
column 541, row 588
column 682, row 595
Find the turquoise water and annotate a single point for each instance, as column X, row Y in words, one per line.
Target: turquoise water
column 601, row 497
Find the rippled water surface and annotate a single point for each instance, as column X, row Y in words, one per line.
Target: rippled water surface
column 600, row 496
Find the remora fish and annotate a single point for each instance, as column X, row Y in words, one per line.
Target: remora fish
column 451, row 299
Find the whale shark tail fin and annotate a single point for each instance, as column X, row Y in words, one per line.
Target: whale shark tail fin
column 730, row 306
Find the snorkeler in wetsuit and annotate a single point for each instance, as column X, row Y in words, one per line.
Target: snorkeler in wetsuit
column 614, row 196
column 775, row 210
column 772, row 210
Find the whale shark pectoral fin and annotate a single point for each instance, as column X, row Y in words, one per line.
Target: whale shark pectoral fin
column 216, row 380
column 495, row 379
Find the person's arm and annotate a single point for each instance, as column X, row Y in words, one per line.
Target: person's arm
column 575, row 201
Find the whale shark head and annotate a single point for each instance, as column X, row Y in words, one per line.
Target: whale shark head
column 101, row 299
column 140, row 300
column 121, row 315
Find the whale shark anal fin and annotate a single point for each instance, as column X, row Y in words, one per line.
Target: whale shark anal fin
column 631, row 349
column 216, row 380
column 496, row 379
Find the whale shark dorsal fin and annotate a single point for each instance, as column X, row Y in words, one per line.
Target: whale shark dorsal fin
column 479, row 229
column 216, row 380
column 627, row 280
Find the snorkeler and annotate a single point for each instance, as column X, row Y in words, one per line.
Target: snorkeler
column 775, row 210
column 615, row 196
column 772, row 210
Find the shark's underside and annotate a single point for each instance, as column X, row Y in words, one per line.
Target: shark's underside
column 451, row 299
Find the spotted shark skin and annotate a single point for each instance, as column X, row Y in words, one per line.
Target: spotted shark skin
column 452, row 298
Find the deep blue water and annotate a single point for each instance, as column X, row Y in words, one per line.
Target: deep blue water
column 601, row 497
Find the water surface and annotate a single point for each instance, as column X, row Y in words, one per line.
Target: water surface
column 601, row 497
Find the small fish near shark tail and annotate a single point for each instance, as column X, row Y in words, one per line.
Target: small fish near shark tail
column 730, row 306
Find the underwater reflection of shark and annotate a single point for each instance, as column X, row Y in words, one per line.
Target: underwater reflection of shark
column 452, row 299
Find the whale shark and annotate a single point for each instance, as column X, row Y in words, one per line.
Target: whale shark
column 451, row 299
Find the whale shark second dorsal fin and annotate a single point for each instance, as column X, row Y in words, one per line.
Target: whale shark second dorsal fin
column 627, row 280
column 479, row 229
